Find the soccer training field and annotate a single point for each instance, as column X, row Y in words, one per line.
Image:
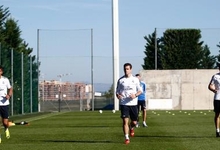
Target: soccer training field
column 167, row 130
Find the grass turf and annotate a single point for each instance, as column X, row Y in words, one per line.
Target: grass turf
column 168, row 130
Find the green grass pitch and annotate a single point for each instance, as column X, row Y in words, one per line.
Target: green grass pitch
column 167, row 130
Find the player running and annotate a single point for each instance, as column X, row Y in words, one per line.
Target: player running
column 127, row 91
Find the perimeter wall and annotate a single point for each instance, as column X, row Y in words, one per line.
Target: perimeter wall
column 179, row 89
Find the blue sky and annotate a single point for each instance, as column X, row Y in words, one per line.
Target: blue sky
column 65, row 49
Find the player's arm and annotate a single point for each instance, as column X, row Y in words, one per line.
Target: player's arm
column 138, row 93
column 118, row 95
column 144, row 88
column 10, row 92
column 139, row 90
column 211, row 87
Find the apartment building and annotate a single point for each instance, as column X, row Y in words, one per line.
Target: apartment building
column 54, row 90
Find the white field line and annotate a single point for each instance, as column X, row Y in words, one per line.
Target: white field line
column 39, row 118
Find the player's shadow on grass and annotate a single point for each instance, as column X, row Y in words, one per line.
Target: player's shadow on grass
column 79, row 141
column 88, row 126
column 174, row 136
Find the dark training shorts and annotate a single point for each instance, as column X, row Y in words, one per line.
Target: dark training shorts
column 129, row 111
column 142, row 104
column 216, row 106
column 4, row 112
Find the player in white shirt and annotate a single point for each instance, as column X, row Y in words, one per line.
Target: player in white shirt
column 128, row 89
column 214, row 86
column 5, row 94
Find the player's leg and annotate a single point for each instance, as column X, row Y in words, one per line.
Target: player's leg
column 126, row 130
column 5, row 123
column 138, row 108
column 133, row 116
column 216, row 118
column 7, row 133
column 125, row 125
column 0, row 129
column 144, row 112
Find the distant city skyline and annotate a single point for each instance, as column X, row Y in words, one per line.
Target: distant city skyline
column 53, row 90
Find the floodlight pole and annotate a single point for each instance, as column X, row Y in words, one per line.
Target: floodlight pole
column 61, row 89
column 92, row 87
column 59, row 96
column 115, row 50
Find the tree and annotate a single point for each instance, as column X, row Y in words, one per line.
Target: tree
column 15, row 54
column 149, row 60
column 12, row 34
column 109, row 93
column 218, row 56
column 4, row 13
column 207, row 61
column 181, row 49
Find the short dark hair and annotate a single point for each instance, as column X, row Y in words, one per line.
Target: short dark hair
column 137, row 75
column 1, row 68
column 128, row 64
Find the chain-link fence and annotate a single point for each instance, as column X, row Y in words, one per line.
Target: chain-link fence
column 21, row 70
column 68, row 56
column 76, row 105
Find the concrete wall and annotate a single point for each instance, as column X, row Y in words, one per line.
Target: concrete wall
column 188, row 89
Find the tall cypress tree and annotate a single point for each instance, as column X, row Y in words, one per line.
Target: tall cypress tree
column 12, row 44
column 149, row 60
column 4, row 14
column 208, row 61
column 218, row 56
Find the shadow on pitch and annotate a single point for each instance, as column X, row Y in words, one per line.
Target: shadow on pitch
column 77, row 141
column 176, row 137
column 88, row 126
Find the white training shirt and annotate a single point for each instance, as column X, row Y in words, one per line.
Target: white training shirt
column 4, row 86
column 216, row 81
column 127, row 86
